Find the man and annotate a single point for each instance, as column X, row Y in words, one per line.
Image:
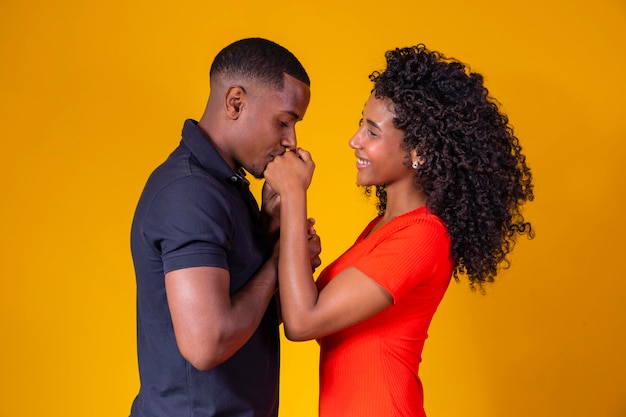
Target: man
column 207, row 322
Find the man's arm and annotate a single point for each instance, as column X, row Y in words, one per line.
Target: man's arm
column 209, row 324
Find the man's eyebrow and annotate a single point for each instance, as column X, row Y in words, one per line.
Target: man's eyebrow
column 292, row 113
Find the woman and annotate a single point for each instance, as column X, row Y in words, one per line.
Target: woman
column 450, row 180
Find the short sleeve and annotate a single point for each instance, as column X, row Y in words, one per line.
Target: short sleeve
column 189, row 222
column 406, row 255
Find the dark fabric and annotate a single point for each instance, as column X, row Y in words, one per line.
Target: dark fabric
column 195, row 211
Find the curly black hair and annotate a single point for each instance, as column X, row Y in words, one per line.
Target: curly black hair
column 473, row 172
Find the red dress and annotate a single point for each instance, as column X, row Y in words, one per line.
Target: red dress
column 371, row 368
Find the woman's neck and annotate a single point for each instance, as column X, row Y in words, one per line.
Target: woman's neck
column 402, row 200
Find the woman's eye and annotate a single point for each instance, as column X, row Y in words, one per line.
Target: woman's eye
column 283, row 124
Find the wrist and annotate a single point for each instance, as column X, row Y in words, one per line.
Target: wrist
column 293, row 194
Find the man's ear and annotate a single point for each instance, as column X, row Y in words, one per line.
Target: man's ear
column 234, row 101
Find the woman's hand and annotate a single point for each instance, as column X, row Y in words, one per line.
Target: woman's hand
column 290, row 171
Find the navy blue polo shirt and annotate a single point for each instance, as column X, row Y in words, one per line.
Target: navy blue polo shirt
column 195, row 211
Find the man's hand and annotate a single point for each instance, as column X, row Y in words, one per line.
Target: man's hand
column 315, row 244
column 270, row 213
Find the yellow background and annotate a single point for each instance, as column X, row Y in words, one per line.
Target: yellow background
column 93, row 95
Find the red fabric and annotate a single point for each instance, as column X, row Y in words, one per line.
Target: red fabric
column 371, row 369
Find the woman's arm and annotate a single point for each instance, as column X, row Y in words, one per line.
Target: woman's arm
column 349, row 298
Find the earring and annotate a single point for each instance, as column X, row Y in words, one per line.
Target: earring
column 415, row 164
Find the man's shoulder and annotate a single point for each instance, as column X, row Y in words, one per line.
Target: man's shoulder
column 181, row 172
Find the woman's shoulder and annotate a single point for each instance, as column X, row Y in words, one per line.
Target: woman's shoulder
column 421, row 217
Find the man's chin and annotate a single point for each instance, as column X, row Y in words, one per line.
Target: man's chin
column 257, row 175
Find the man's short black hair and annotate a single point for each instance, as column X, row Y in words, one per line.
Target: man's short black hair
column 259, row 59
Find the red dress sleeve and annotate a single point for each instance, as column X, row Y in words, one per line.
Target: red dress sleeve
column 406, row 253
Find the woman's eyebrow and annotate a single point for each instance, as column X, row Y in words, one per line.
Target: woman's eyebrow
column 372, row 123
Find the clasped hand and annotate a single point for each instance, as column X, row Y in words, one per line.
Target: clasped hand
column 290, row 171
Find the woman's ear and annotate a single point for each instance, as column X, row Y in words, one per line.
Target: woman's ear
column 234, row 101
column 416, row 158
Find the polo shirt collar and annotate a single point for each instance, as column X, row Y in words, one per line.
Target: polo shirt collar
column 208, row 157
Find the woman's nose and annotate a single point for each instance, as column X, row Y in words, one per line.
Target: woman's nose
column 355, row 141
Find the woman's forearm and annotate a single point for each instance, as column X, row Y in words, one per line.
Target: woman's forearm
column 298, row 292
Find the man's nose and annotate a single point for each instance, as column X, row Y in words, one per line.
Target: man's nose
column 290, row 141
